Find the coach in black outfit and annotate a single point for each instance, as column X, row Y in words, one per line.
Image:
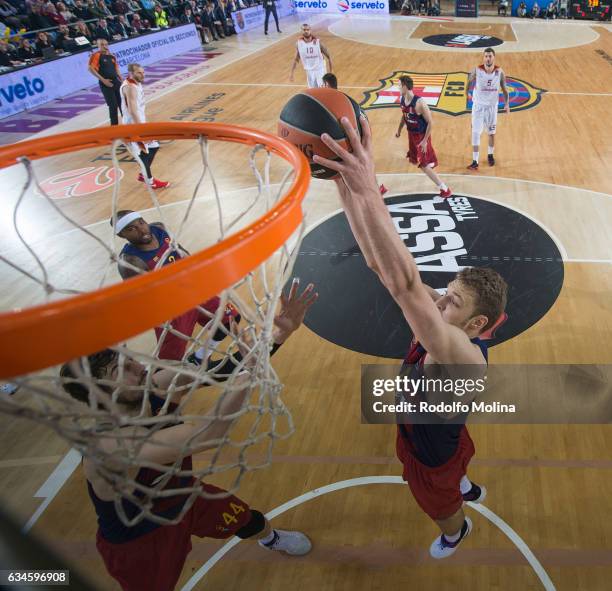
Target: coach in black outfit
column 270, row 6
column 103, row 65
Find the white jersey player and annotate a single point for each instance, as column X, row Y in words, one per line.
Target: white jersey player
column 133, row 109
column 312, row 54
column 488, row 79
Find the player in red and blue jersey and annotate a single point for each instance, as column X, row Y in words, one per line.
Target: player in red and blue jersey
column 148, row 556
column 148, row 248
column 416, row 116
column 448, row 334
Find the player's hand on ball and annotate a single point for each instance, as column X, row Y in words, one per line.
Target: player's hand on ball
column 356, row 167
column 292, row 311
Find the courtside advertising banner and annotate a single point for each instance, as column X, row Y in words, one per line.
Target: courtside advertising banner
column 343, row 6
column 33, row 86
column 255, row 16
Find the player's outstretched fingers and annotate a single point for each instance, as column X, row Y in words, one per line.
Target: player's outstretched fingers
column 366, row 133
column 309, row 297
column 353, row 138
column 295, row 284
column 332, row 164
column 335, row 147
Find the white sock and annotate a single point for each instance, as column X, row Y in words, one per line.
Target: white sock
column 268, row 539
column 491, row 148
column 442, row 187
column 206, row 352
column 465, row 486
column 201, row 352
column 454, row 537
column 475, row 156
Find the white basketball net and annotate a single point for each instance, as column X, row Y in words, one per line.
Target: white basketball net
column 255, row 425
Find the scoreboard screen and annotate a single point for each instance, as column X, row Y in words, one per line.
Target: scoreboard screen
column 591, row 9
column 466, row 8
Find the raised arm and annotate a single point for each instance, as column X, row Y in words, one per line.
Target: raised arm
column 387, row 254
column 127, row 272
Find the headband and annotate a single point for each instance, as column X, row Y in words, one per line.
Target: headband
column 126, row 220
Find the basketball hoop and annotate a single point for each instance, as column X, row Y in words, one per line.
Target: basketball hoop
column 87, row 323
column 245, row 266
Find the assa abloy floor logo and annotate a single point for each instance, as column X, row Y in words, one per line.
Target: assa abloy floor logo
column 355, row 311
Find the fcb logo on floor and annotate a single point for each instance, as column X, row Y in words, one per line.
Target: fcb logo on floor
column 447, row 92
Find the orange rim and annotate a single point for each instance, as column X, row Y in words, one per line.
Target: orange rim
column 50, row 334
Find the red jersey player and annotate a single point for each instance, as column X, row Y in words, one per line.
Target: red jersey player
column 146, row 555
column 416, row 116
column 148, row 244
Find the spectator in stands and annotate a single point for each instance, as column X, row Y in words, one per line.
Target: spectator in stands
column 63, row 39
column 120, row 7
column 26, row 51
column 231, row 6
column 102, row 31
column 148, row 8
column 53, row 15
column 563, row 8
column 209, row 20
column 103, row 65
column 103, row 8
column 81, row 10
column 408, row 7
column 227, row 22
column 10, row 15
column 37, row 19
column 8, row 59
column 535, row 10
column 42, row 42
column 552, row 9
column 161, row 18
column 82, row 30
column 65, row 13
column 189, row 18
column 138, row 24
column 174, row 12
column 521, row 11
column 434, row 9
column 121, row 27
column 133, row 6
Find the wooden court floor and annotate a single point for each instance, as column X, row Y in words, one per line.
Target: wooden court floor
column 549, row 483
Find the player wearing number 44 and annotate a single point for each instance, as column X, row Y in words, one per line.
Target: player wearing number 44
column 149, row 556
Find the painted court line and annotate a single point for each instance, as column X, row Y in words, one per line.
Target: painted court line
column 53, row 484
column 317, row 492
column 580, row 93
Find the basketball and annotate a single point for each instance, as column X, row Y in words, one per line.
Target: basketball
column 315, row 111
